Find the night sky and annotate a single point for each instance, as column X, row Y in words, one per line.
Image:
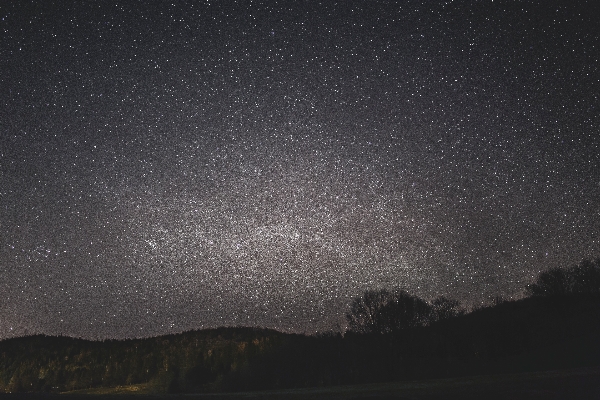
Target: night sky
column 167, row 167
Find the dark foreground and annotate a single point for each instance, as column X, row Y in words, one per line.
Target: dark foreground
column 582, row 383
column 500, row 348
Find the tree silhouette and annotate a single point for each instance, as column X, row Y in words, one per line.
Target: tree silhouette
column 553, row 282
column 366, row 312
column 443, row 308
column 586, row 277
column 382, row 311
column 406, row 311
column 582, row 278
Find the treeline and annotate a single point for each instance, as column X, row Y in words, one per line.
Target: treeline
column 582, row 278
column 391, row 335
column 386, row 311
column 198, row 359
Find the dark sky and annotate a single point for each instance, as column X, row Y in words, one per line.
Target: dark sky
column 166, row 167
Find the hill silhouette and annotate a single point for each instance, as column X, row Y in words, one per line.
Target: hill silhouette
column 537, row 333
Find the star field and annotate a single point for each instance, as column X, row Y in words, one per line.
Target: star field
column 167, row 167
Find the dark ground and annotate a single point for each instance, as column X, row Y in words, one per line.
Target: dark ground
column 582, row 383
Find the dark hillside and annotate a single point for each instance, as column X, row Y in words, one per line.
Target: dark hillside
column 537, row 333
column 524, row 335
column 42, row 363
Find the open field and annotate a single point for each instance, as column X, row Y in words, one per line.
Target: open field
column 582, row 383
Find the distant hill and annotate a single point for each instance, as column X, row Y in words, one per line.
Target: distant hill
column 526, row 335
column 56, row 364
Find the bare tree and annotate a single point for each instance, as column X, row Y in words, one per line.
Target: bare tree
column 366, row 312
column 444, row 308
column 382, row 311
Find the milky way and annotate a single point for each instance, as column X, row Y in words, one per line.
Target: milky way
column 167, row 167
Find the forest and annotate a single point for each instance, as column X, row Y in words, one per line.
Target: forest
column 391, row 336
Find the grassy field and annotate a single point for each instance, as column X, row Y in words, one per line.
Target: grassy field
column 582, row 383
